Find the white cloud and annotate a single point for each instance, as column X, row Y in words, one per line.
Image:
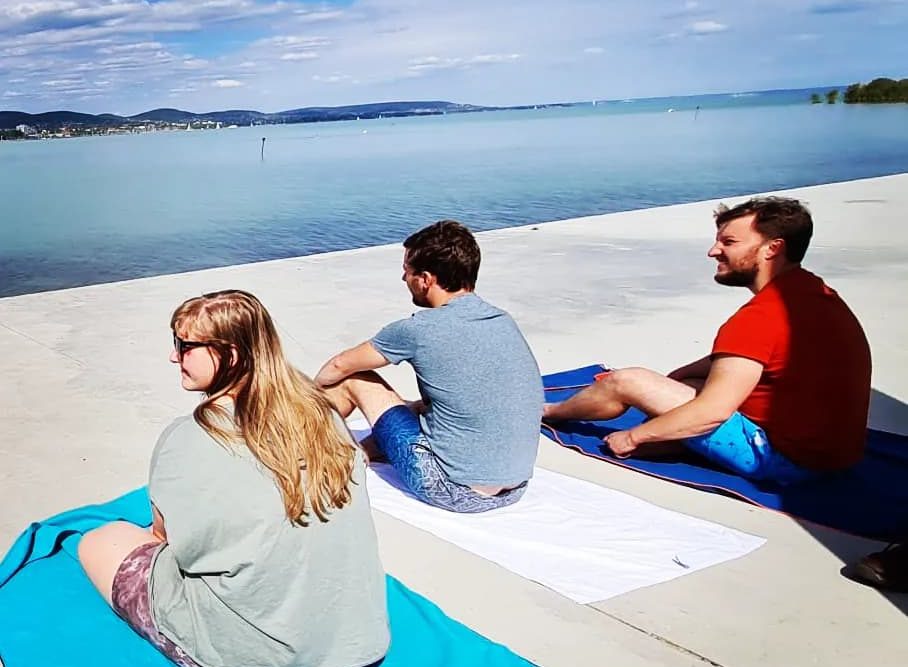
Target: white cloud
column 333, row 78
column 706, row 27
column 227, row 83
column 425, row 63
column 594, row 50
column 309, row 16
column 300, row 55
column 129, row 48
column 686, row 10
column 493, row 58
column 62, row 83
column 295, row 41
column 194, row 63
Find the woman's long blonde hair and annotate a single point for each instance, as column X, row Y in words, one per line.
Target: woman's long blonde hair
column 278, row 413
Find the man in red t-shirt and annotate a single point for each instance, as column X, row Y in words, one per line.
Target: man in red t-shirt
column 785, row 392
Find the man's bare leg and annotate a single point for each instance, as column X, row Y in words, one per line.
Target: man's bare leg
column 372, row 395
column 611, row 396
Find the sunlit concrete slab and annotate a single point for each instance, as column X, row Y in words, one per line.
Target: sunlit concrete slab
column 86, row 389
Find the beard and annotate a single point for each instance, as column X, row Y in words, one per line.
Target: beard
column 420, row 299
column 741, row 277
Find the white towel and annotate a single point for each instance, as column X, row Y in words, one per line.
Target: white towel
column 587, row 542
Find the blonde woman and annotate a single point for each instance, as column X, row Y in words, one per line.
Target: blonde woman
column 262, row 549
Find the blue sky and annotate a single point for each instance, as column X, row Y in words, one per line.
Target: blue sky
column 128, row 56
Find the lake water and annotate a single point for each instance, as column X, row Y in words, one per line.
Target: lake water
column 84, row 211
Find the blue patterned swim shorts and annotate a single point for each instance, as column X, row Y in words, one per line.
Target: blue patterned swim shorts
column 399, row 437
column 742, row 447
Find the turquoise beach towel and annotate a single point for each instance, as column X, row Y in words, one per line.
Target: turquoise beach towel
column 51, row 615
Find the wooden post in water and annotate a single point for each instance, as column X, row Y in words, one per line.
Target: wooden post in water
column 263, row 148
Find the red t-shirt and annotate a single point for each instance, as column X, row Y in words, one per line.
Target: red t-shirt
column 814, row 393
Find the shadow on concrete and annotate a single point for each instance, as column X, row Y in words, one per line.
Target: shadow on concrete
column 886, row 414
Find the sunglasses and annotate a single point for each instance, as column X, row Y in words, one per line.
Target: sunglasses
column 182, row 346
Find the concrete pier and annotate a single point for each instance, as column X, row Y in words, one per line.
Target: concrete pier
column 87, row 388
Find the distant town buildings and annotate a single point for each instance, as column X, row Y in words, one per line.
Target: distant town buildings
column 23, row 131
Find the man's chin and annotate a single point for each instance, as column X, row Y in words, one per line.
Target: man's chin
column 733, row 279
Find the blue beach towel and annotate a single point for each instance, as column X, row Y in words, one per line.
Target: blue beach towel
column 51, row 615
column 870, row 500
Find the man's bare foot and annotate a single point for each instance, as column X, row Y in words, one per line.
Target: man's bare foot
column 550, row 411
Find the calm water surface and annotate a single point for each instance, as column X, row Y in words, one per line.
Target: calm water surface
column 84, row 211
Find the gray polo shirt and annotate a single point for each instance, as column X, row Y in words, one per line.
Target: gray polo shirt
column 481, row 385
column 238, row 584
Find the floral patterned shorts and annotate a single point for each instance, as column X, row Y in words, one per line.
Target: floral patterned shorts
column 130, row 600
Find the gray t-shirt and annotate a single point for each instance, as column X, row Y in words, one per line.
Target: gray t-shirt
column 481, row 385
column 238, row 585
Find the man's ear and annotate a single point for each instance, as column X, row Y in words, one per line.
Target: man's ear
column 775, row 248
column 429, row 279
column 234, row 355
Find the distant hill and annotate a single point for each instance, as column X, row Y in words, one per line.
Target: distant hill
column 177, row 116
column 54, row 119
column 9, row 119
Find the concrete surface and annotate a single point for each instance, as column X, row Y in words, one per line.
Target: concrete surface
column 86, row 389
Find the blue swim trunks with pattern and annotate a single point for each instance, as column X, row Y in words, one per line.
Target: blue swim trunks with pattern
column 398, row 436
column 741, row 446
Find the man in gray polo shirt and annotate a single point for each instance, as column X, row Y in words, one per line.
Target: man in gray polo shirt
column 470, row 443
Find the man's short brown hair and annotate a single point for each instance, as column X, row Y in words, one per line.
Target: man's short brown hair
column 448, row 251
column 776, row 218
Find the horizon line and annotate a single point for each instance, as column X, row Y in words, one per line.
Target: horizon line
column 468, row 104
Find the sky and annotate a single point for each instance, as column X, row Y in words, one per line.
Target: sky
column 129, row 56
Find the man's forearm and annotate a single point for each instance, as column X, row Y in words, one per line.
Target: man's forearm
column 686, row 421
column 363, row 357
column 332, row 372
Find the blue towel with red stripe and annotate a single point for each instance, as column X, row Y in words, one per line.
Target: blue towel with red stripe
column 870, row 499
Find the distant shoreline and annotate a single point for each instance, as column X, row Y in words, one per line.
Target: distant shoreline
column 65, row 124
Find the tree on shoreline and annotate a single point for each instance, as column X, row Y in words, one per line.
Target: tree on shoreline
column 878, row 91
column 832, row 96
column 815, row 98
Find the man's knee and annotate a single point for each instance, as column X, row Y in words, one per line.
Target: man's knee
column 626, row 382
column 369, row 392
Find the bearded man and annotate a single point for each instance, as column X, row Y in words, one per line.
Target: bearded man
column 785, row 391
